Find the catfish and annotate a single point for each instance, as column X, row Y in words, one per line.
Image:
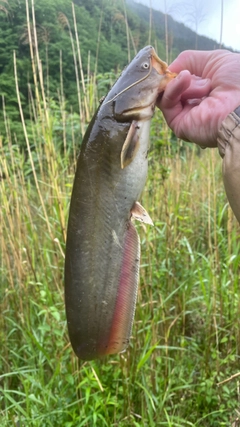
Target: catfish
column 102, row 247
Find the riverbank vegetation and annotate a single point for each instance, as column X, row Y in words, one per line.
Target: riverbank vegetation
column 182, row 365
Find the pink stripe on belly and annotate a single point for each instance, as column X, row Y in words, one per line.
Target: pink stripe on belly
column 126, row 297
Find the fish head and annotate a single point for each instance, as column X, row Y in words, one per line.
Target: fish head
column 134, row 94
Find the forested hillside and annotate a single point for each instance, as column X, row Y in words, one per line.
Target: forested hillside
column 180, row 37
column 98, row 35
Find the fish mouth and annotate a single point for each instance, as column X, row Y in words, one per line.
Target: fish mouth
column 162, row 69
column 161, row 66
column 143, row 112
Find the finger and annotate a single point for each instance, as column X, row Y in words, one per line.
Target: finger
column 174, row 90
column 197, row 123
column 199, row 88
column 192, row 60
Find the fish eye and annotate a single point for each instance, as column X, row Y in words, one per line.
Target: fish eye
column 145, row 65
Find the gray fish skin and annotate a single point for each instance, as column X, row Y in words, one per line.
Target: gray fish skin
column 102, row 249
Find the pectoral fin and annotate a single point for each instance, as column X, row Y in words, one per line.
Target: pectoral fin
column 138, row 212
column 130, row 146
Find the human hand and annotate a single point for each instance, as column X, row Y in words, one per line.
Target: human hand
column 205, row 91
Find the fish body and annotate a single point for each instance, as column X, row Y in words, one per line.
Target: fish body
column 102, row 249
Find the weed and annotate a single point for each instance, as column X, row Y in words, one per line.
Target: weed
column 185, row 339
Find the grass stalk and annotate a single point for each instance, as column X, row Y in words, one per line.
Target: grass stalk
column 80, row 64
column 39, row 64
column 127, row 30
column 34, row 71
column 98, row 41
column 64, row 21
column 150, row 23
column 28, row 147
column 166, row 31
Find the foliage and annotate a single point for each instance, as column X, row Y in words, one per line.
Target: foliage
column 186, row 330
column 182, row 366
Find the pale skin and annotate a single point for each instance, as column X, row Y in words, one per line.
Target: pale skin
column 205, row 91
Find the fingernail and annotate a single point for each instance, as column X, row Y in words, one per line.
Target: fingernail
column 182, row 73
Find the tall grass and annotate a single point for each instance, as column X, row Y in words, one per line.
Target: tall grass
column 185, row 342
